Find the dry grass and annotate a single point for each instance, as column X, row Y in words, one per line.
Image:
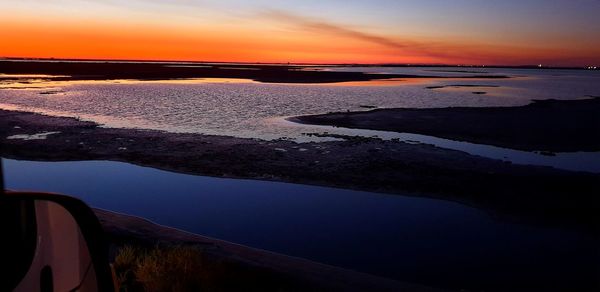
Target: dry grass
column 188, row 268
column 175, row 268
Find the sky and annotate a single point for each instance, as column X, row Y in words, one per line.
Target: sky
column 473, row 32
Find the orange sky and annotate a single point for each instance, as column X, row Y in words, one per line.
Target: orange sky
column 268, row 36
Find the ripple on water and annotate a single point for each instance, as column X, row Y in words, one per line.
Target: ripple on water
column 248, row 109
column 244, row 108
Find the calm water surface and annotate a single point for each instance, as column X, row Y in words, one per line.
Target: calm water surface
column 407, row 238
column 246, row 109
column 413, row 239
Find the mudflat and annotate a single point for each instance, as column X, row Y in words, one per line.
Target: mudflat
column 545, row 125
column 541, row 194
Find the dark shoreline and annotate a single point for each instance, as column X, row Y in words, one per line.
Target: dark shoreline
column 161, row 71
column 537, row 194
column 254, row 269
column 546, row 125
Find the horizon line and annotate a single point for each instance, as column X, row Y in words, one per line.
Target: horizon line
column 538, row 66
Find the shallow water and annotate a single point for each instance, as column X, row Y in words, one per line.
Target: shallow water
column 414, row 239
column 244, row 108
column 408, row 238
column 37, row 136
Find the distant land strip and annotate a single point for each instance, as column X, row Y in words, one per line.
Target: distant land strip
column 271, row 73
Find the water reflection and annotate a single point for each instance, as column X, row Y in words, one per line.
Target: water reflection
column 245, row 108
column 55, row 81
column 237, row 107
column 414, row 239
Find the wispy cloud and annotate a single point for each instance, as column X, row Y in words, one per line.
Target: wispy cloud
column 447, row 51
column 322, row 26
column 431, row 49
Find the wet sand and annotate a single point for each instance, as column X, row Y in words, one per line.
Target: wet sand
column 164, row 70
column 538, row 194
column 548, row 125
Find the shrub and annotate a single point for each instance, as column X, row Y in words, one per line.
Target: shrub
column 174, row 268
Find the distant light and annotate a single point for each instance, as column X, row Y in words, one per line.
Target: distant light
column 540, row 66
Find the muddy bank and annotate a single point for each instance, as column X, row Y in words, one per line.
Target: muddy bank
column 252, row 269
column 164, row 70
column 548, row 125
column 538, row 193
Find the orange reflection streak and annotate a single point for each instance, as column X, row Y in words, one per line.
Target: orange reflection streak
column 34, row 82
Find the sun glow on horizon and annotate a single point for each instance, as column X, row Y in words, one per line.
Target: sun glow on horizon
column 188, row 31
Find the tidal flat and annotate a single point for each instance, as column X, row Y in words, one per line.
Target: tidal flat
column 543, row 125
column 370, row 164
column 399, row 152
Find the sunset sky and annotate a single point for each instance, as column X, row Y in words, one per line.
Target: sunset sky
column 549, row 32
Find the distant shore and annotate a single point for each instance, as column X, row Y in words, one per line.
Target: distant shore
column 399, row 65
column 531, row 193
column 270, row 73
column 545, row 125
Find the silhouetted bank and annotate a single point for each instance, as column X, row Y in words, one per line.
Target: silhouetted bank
column 88, row 70
column 226, row 266
column 546, row 125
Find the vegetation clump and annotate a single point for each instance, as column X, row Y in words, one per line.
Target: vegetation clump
column 177, row 268
column 182, row 268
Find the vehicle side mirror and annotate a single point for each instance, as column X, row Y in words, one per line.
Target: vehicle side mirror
column 51, row 243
